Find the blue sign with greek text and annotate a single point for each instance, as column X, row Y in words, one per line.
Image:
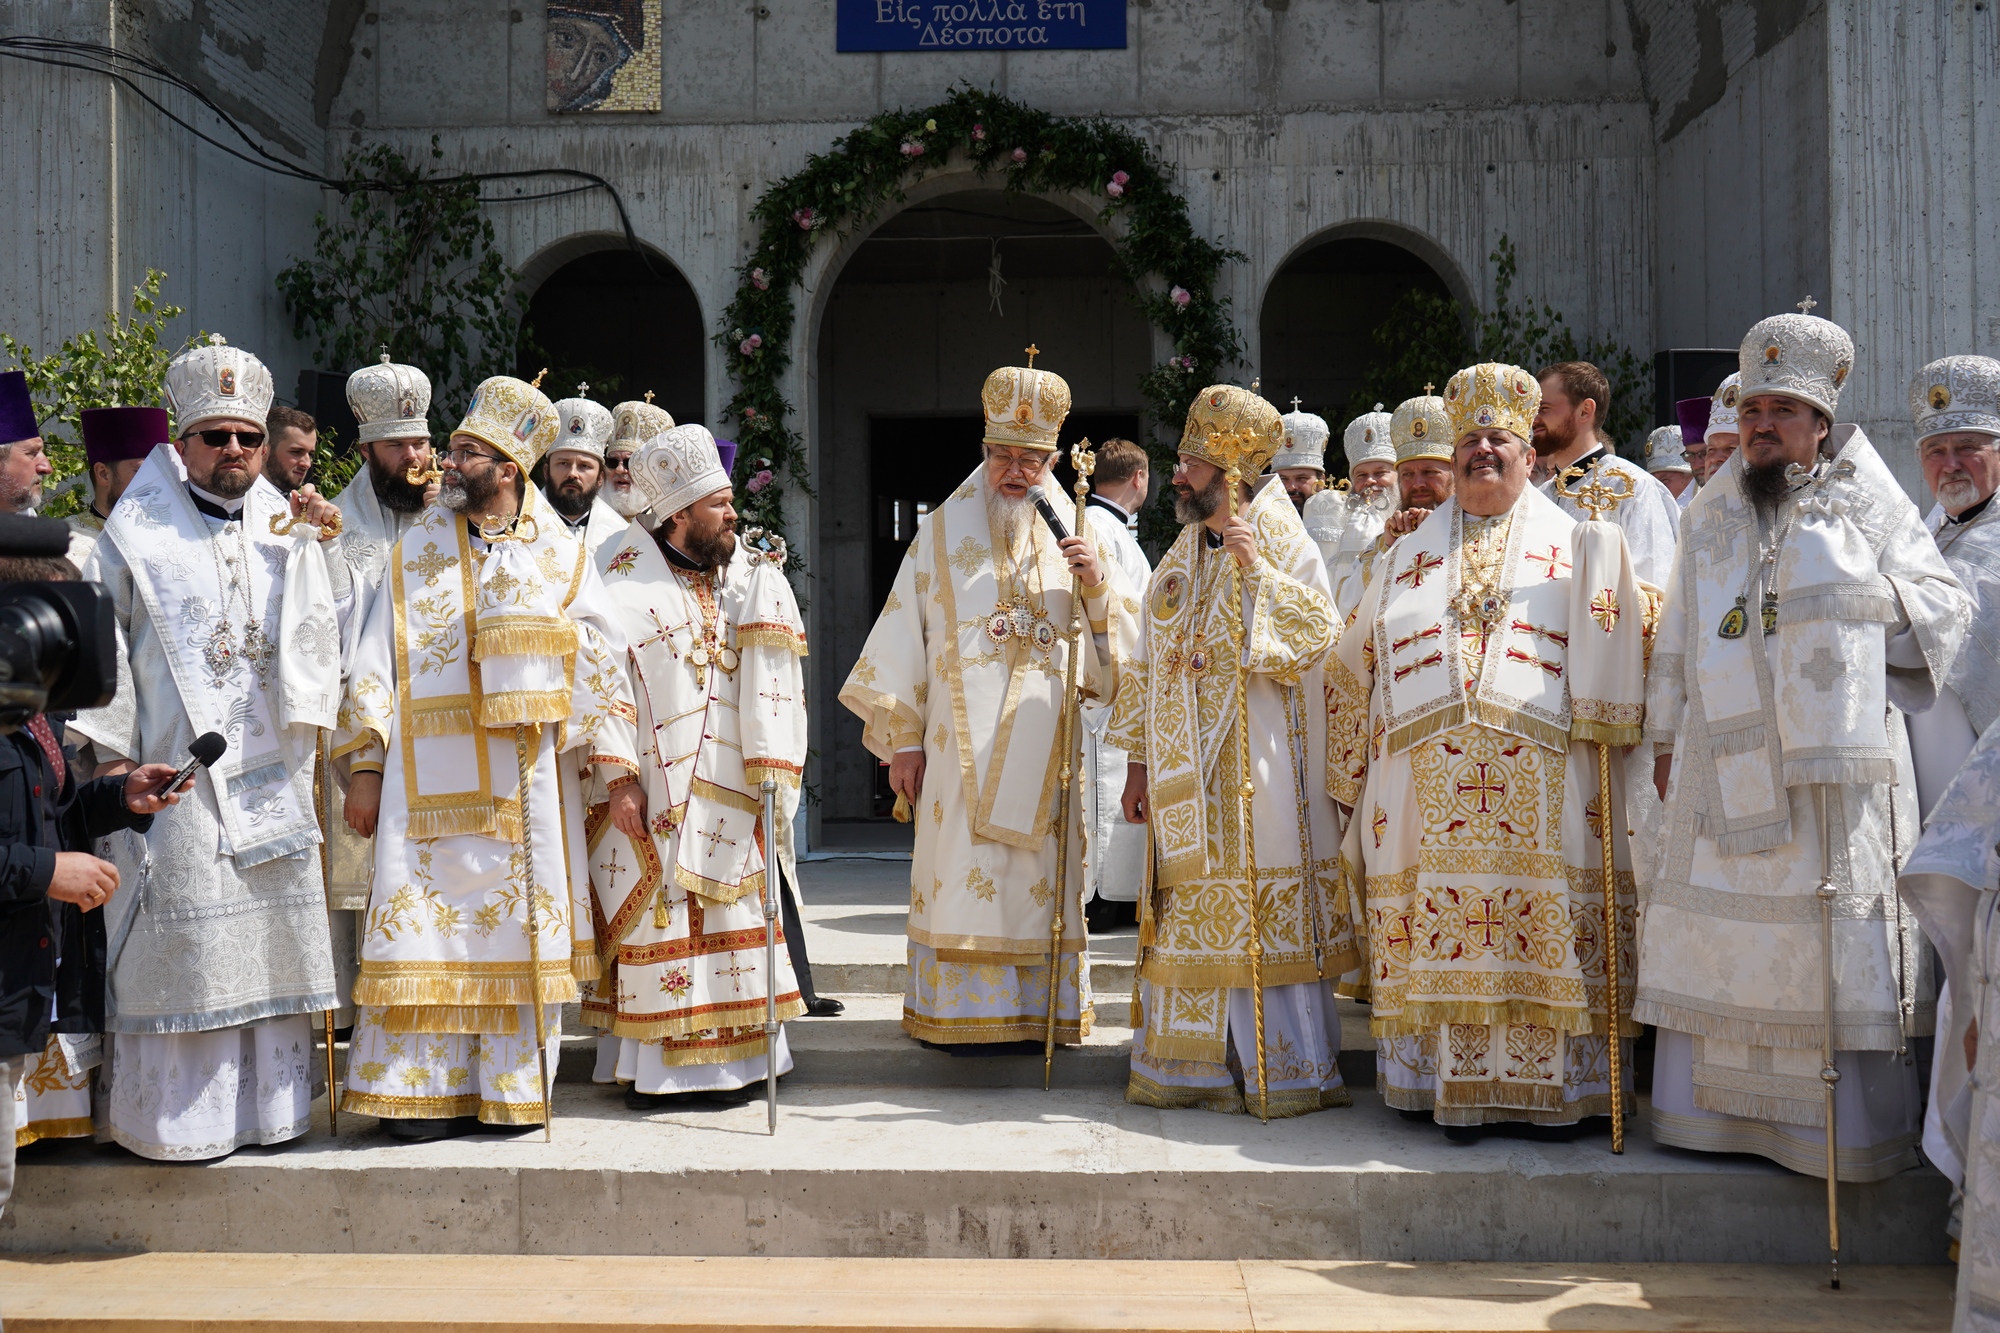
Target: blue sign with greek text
column 981, row 25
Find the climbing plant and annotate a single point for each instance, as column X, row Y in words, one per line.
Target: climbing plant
column 1171, row 268
column 411, row 263
column 1425, row 338
column 122, row 365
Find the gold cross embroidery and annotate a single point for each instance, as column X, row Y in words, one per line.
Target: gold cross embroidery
column 430, row 564
column 736, row 972
column 715, row 837
column 773, row 695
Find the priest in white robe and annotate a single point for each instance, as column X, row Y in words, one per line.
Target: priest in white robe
column 218, row 945
column 632, row 424
column 1114, row 852
column 679, row 856
column 1956, row 403
column 1802, row 607
column 1950, row 884
column 960, row 690
column 491, row 663
column 1497, row 645
column 573, row 473
column 1576, row 398
column 1345, row 524
column 1225, row 688
column 391, row 405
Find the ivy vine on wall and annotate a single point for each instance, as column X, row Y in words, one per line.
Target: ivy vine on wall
column 1171, row 268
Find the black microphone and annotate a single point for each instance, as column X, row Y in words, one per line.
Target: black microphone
column 206, row 749
column 1049, row 515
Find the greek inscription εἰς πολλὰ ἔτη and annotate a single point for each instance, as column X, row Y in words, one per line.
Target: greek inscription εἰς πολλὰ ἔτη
column 980, row 25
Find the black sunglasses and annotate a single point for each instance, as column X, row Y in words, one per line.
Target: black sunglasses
column 219, row 439
column 619, row 462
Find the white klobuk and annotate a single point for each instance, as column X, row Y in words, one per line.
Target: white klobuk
column 715, row 659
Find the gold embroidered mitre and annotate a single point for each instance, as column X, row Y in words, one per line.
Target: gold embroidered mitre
column 1025, row 407
column 390, row 402
column 1419, row 428
column 1227, row 425
column 1491, row 394
column 514, row 417
column 635, row 422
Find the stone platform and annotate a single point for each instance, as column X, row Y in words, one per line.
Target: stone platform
column 887, row 1149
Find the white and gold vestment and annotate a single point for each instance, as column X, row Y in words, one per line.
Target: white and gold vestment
column 467, row 639
column 715, row 662
column 1224, row 648
column 967, row 661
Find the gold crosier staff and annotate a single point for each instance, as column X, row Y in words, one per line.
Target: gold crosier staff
column 326, row 877
column 1245, row 792
column 1598, row 497
column 1068, row 734
column 534, row 931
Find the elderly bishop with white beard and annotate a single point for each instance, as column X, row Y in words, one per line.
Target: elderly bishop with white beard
column 679, row 859
column 960, row 687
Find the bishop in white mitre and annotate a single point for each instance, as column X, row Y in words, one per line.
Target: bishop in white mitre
column 633, row 422
column 230, row 621
column 574, row 472
column 1495, row 647
column 960, row 690
column 391, row 405
column 1225, row 688
column 679, row 856
column 491, row 654
column 1363, row 508
column 1807, row 600
column 1114, row 852
column 1950, row 882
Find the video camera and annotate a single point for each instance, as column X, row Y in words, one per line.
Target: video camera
column 58, row 641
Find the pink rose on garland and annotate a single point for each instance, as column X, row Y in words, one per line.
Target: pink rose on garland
column 760, row 280
column 1114, row 189
column 1020, row 155
column 805, row 218
column 912, row 148
column 749, row 414
column 758, row 482
column 1180, row 296
column 978, row 134
column 750, row 345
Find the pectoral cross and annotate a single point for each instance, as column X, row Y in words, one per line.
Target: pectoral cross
column 715, row 837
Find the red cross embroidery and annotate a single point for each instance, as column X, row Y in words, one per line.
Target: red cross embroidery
column 1420, row 565
column 1554, row 636
column 1483, row 920
column 1554, row 565
column 1486, row 788
column 1417, row 665
column 1516, row 655
column 1400, row 644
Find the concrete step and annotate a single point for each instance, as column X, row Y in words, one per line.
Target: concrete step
column 167, row 1293
column 867, row 1047
column 1108, row 976
column 964, row 1173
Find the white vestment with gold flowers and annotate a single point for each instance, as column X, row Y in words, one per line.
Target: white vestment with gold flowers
column 967, row 661
column 466, row 639
column 715, row 664
column 1867, row 615
column 1222, row 645
column 1472, row 850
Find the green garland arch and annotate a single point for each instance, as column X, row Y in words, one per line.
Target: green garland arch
column 844, row 189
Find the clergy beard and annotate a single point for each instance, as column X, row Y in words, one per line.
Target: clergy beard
column 228, row 482
column 1190, row 507
column 628, row 503
column 461, row 491
column 1957, row 491
column 1765, row 484
column 711, row 547
column 394, row 492
column 1009, row 515
column 570, row 499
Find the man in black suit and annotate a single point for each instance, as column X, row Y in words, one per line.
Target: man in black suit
column 51, row 934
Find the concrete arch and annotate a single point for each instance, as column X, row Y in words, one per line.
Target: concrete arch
column 1400, row 234
column 544, row 263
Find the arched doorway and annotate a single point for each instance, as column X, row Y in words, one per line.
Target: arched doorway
column 623, row 323
column 1319, row 318
column 932, row 301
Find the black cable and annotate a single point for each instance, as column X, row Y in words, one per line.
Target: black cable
column 120, row 66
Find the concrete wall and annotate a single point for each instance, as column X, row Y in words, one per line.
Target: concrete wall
column 101, row 186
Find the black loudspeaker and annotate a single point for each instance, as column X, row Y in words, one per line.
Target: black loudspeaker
column 1687, row 372
column 323, row 394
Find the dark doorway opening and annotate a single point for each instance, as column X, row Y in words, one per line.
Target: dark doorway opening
column 622, row 323
column 1318, row 322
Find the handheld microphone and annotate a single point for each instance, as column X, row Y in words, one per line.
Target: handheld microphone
column 1049, row 515
column 206, row 749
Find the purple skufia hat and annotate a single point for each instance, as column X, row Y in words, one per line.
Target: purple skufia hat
column 726, row 451
column 122, row 434
column 17, row 410
column 1693, row 414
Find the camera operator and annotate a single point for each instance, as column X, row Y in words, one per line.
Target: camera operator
column 51, row 933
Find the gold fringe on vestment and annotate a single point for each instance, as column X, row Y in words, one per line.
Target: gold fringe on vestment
column 523, row 636
column 440, row 986
column 759, row 634
column 72, row 1127
column 1013, row 1027
column 1284, row 1104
